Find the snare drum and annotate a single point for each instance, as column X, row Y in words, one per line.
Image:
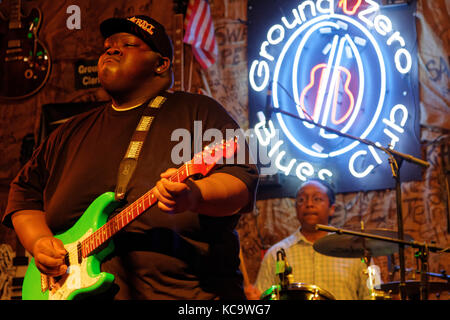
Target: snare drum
column 297, row 291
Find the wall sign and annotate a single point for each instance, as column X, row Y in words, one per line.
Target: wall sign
column 347, row 64
column 86, row 74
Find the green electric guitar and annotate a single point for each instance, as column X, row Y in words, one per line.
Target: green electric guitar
column 88, row 240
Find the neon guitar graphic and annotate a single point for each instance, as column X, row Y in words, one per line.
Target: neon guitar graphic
column 88, row 240
column 329, row 83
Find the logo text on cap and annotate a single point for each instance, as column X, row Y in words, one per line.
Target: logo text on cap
column 142, row 24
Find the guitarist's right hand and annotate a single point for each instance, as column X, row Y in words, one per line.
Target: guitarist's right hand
column 49, row 255
column 35, row 235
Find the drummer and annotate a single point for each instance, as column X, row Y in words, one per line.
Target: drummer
column 344, row 278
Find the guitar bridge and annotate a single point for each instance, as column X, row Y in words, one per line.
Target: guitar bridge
column 14, row 44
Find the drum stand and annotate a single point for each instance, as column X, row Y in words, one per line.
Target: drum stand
column 423, row 254
column 283, row 270
column 374, row 293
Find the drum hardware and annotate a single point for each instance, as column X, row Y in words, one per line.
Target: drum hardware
column 413, row 287
column 357, row 244
column 373, row 272
column 284, row 272
column 341, row 245
column 349, row 246
column 393, row 268
column 296, row 291
column 442, row 275
column 287, row 289
column 273, row 293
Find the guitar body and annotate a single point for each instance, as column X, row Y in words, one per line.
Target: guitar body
column 84, row 277
column 24, row 60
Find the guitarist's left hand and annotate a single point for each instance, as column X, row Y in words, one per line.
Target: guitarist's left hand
column 176, row 197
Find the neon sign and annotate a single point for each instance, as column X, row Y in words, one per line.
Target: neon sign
column 345, row 64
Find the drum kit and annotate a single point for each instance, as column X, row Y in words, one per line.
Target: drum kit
column 365, row 245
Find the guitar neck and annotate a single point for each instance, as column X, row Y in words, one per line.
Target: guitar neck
column 126, row 216
column 201, row 163
column 14, row 15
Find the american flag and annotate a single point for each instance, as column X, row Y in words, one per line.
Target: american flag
column 200, row 32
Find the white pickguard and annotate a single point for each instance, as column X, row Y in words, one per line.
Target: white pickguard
column 76, row 277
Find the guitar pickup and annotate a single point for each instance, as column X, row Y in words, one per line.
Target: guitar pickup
column 9, row 51
column 79, row 253
column 67, row 259
column 14, row 44
column 13, row 58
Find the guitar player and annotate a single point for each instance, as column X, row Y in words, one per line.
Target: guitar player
column 186, row 246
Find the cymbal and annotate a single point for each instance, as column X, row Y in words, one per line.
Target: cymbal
column 413, row 286
column 350, row 246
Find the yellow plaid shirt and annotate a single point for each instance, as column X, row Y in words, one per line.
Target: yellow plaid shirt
column 344, row 278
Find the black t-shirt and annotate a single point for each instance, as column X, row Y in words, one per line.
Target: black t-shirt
column 159, row 255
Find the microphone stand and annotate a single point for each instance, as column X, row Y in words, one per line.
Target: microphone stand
column 392, row 154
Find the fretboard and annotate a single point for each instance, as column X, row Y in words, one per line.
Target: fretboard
column 123, row 218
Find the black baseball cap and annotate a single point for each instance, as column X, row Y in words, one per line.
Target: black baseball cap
column 147, row 29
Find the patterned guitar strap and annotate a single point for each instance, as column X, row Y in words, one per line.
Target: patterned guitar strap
column 129, row 162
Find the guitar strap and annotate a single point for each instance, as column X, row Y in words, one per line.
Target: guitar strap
column 129, row 161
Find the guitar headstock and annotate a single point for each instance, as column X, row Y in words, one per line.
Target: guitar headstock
column 204, row 161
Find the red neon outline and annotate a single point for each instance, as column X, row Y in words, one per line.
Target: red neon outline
column 336, row 87
column 311, row 84
column 350, row 95
column 344, row 5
